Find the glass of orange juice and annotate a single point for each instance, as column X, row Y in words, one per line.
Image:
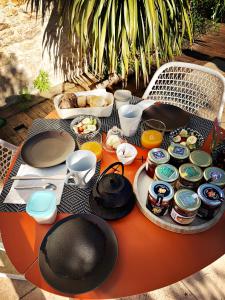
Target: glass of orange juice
column 91, row 143
column 152, row 132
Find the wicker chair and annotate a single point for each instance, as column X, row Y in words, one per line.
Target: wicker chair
column 7, row 152
column 196, row 89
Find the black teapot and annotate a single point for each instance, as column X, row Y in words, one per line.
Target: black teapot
column 112, row 196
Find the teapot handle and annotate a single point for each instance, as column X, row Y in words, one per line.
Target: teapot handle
column 106, row 170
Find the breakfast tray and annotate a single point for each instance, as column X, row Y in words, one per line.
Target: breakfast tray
column 74, row 200
column 141, row 184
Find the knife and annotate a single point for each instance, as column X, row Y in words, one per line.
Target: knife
column 56, row 177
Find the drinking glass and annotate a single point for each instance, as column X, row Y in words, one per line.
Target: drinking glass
column 152, row 133
column 91, row 143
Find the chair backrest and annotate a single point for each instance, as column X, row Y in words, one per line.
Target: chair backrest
column 196, row 89
column 7, row 152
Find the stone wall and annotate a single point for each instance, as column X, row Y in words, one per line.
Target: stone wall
column 22, row 51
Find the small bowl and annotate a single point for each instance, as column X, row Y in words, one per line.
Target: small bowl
column 122, row 151
column 79, row 118
column 200, row 138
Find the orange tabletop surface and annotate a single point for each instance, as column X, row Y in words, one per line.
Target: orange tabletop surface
column 149, row 257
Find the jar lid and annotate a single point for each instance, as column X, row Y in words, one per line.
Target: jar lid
column 41, row 203
column 215, row 175
column 161, row 188
column 190, row 172
column 178, row 151
column 200, row 158
column 166, row 172
column 122, row 95
column 211, row 194
column 158, row 156
column 187, row 200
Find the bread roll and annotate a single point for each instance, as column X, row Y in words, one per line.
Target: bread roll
column 82, row 101
column 97, row 101
column 68, row 100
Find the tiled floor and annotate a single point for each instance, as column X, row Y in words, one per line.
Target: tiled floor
column 208, row 284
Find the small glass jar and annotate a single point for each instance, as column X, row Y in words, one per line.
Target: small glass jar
column 178, row 154
column 200, row 158
column 185, row 206
column 167, row 173
column 114, row 138
column 156, row 156
column 160, row 195
column 212, row 198
column 190, row 177
column 215, row 176
column 122, row 97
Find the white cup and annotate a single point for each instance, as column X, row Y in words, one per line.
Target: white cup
column 122, row 97
column 130, row 117
column 81, row 165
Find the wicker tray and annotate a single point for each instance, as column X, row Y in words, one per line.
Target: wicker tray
column 141, row 184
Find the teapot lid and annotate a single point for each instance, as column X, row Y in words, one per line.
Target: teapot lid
column 111, row 184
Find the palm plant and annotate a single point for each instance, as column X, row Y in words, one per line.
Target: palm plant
column 116, row 34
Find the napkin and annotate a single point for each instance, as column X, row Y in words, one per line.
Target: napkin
column 21, row 196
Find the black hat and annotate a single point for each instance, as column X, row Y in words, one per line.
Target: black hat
column 78, row 253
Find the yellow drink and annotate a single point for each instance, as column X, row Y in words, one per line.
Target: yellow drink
column 151, row 139
column 94, row 147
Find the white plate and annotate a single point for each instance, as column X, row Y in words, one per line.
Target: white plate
column 141, row 185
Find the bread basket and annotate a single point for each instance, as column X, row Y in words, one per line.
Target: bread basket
column 70, row 113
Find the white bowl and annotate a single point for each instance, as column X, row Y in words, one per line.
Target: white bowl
column 126, row 153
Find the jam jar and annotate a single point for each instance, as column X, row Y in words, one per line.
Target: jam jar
column 156, row 156
column 212, row 198
column 200, row 158
column 167, row 173
column 215, row 176
column 190, row 177
column 178, row 154
column 185, row 206
column 160, row 195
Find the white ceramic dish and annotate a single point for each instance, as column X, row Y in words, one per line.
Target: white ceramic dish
column 141, row 184
column 125, row 149
column 70, row 113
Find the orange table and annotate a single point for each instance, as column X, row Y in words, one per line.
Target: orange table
column 149, row 257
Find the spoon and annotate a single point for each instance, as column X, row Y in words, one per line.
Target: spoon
column 48, row 186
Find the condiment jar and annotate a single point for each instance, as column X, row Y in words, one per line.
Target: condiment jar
column 190, row 177
column 200, row 158
column 156, row 156
column 159, row 199
column 212, row 198
column 215, row 176
column 122, row 97
column 185, row 206
column 167, row 173
column 178, row 154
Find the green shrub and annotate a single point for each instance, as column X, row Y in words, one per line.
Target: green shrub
column 42, row 82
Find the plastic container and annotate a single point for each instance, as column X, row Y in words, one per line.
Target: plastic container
column 42, row 207
column 122, row 97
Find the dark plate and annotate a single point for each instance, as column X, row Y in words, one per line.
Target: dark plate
column 172, row 116
column 199, row 136
column 78, row 253
column 47, row 149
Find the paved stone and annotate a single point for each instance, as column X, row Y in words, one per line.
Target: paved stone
column 38, row 294
column 14, row 289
